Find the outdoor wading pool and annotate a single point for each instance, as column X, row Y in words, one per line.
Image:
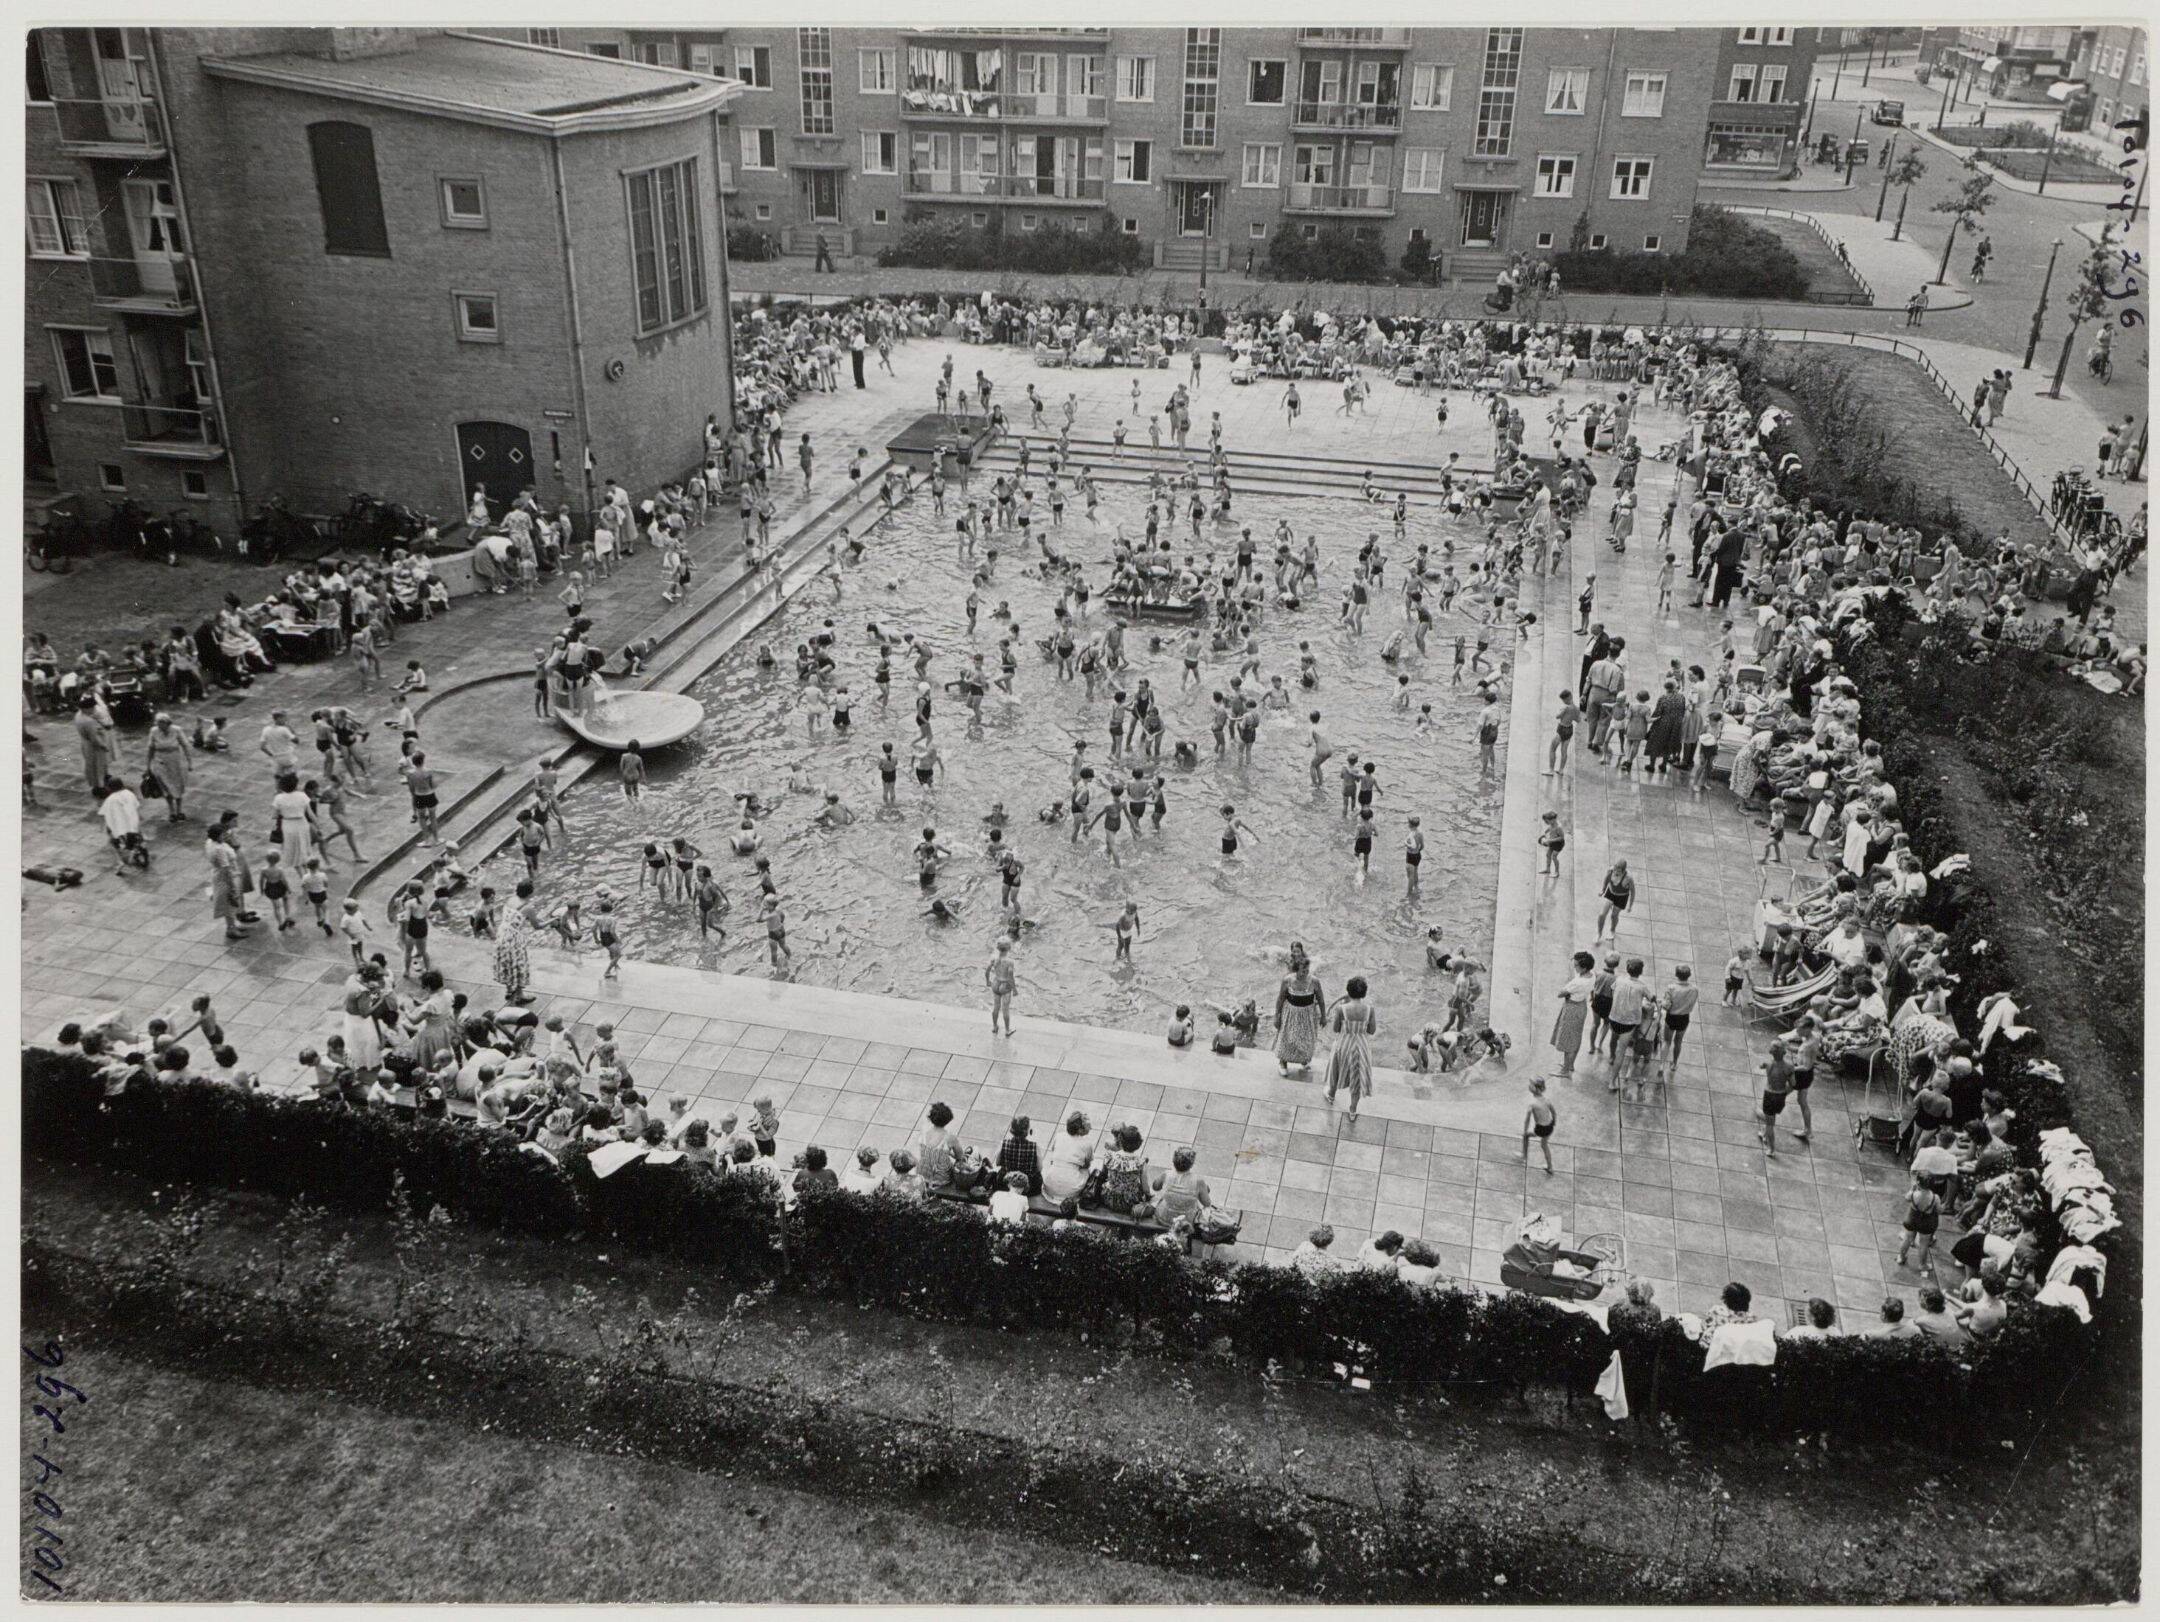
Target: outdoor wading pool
column 1212, row 929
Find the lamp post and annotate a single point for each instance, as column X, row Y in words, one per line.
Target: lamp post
column 2047, row 163
column 2032, row 342
column 1882, row 198
column 1207, row 248
column 1852, row 147
column 1808, row 133
column 1870, row 65
column 1943, row 111
column 1837, row 72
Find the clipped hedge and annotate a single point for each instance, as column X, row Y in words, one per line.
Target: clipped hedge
column 938, row 1260
column 1726, row 257
column 950, row 245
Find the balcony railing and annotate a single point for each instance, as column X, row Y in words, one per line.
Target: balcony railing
column 941, row 102
column 951, row 183
column 180, row 431
column 726, row 174
column 1353, row 36
column 1055, row 105
column 150, row 289
column 1340, row 199
column 1349, row 115
column 93, row 129
column 1054, row 188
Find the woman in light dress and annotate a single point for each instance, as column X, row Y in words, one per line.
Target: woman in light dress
column 1300, row 1009
column 1567, row 1033
column 293, row 816
column 1350, row 1065
column 1065, row 1168
column 166, row 760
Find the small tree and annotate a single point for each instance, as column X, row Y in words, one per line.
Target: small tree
column 1965, row 207
column 1905, row 171
column 2087, row 298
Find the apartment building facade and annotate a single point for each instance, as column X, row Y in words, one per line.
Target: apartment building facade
column 306, row 262
column 1759, row 101
column 1216, row 142
column 2109, row 64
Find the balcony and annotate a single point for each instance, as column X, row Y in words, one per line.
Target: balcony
column 1054, row 106
column 1756, row 112
column 136, row 287
column 111, row 129
column 957, row 184
column 1071, row 36
column 1392, row 38
column 726, row 178
column 1384, row 118
column 1307, row 198
column 181, row 432
column 942, row 102
column 965, row 186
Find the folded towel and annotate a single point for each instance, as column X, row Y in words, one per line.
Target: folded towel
column 1612, row 1388
column 1748, row 1343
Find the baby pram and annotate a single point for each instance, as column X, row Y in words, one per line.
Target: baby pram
column 1538, row 1264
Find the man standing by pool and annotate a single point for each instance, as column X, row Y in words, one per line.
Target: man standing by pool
column 998, row 975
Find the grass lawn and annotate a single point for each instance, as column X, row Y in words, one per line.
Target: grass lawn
column 1826, row 273
column 193, row 1487
column 2071, row 168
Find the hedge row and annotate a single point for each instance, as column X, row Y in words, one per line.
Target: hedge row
column 949, row 245
column 942, row 1261
column 1725, row 257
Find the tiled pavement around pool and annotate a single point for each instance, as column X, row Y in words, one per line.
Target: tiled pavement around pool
column 1682, row 1177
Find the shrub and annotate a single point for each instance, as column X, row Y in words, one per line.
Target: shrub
column 1726, row 257
column 2024, row 133
column 1417, row 260
column 1336, row 254
column 750, row 244
column 950, row 245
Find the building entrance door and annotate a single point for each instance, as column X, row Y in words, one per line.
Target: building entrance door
column 1481, row 218
column 495, row 457
column 1198, row 200
column 825, row 196
column 154, row 230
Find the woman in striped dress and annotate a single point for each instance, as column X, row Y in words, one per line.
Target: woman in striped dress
column 513, row 958
column 1300, row 1008
column 1350, row 1065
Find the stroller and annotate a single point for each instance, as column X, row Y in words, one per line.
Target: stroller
column 1538, row 1264
column 1876, row 1123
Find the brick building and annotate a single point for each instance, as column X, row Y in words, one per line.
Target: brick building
column 1759, row 101
column 1483, row 142
column 2109, row 64
column 313, row 261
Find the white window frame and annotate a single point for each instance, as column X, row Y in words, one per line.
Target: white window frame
column 1256, row 230
column 1544, row 239
column 1432, row 87
column 451, row 218
column 1653, row 242
column 605, row 49
column 746, row 134
column 1557, row 82
column 874, row 161
column 1752, row 72
column 1751, row 36
column 65, row 226
column 1637, row 92
column 1597, row 241
column 1131, row 226
column 1126, row 156
column 1769, row 75
column 93, row 338
column 112, row 478
column 1269, row 154
column 746, row 57
column 1648, row 176
column 551, row 38
column 1777, row 36
column 1136, row 73
column 1283, row 63
column 813, row 75
column 466, row 331
column 877, row 70
column 1431, row 168
column 1556, row 167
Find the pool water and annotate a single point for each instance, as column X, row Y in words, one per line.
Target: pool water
column 1211, row 928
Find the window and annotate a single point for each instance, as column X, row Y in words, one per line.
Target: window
column 1311, row 233
column 1597, row 240
column 1566, row 89
column 550, row 37
column 1133, row 162
column 978, row 220
column 1650, row 243
column 753, row 65
column 705, row 59
column 37, row 76
column 1645, row 96
column 476, row 318
column 880, row 152
column 1502, row 76
column 56, row 221
column 1263, row 163
column 878, row 216
column 1770, row 85
column 464, row 203
column 2137, row 67
column 1421, row 168
column 1315, row 165
column 1131, row 226
column 1257, row 230
column 813, row 49
column 1028, row 222
column 764, row 211
column 759, row 149
column 1432, row 86
column 1766, row 36
column 112, row 478
column 1264, row 85
column 667, row 244
column 1631, row 178
column 612, row 52
column 195, row 485
column 1136, row 78
column 1556, row 175
column 1544, row 239
column 1743, row 81
column 347, row 187
column 654, row 53
column 1203, row 62
column 87, row 368
column 877, row 73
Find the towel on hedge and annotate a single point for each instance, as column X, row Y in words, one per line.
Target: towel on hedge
column 2067, row 1296
column 610, row 1158
column 1612, row 1388
column 1998, row 1016
column 663, row 1157
column 1589, row 1309
column 1750, row 1343
column 2072, row 1257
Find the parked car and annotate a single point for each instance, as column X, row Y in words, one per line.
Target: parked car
column 1888, row 112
